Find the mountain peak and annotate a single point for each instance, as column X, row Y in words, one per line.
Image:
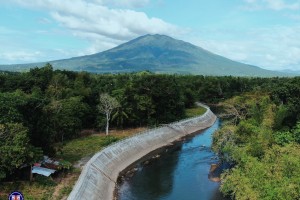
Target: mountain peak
column 160, row 54
column 154, row 36
column 157, row 41
column 146, row 39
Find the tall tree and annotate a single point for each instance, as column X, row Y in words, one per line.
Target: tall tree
column 106, row 106
column 15, row 148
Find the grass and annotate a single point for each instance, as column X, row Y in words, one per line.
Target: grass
column 193, row 112
column 44, row 188
column 65, row 187
column 76, row 149
column 31, row 191
column 79, row 148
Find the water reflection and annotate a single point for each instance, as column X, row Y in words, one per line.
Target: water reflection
column 180, row 174
column 157, row 177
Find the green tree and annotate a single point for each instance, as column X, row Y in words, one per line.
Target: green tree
column 10, row 106
column 275, row 176
column 65, row 117
column 15, row 148
column 57, row 88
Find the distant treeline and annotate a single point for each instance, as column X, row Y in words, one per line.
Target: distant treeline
column 42, row 108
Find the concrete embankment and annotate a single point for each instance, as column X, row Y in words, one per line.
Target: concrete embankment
column 98, row 178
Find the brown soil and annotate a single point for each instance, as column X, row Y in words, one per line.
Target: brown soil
column 69, row 180
column 211, row 175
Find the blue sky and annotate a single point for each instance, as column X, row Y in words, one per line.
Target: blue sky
column 265, row 33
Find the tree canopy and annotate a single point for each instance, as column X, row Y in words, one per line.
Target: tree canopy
column 43, row 108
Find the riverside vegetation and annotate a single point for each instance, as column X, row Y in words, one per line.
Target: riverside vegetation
column 261, row 140
column 43, row 110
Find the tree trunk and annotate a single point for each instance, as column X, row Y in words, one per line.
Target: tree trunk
column 107, row 123
column 30, row 176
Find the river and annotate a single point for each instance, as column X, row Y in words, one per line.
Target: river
column 179, row 174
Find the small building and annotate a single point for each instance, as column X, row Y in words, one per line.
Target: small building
column 42, row 171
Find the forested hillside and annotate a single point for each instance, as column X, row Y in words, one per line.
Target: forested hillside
column 43, row 108
column 158, row 54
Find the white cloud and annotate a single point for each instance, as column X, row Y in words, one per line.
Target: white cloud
column 17, row 56
column 275, row 47
column 98, row 43
column 107, row 23
column 293, row 16
column 95, row 19
column 281, row 5
column 44, row 21
column 124, row 3
column 276, row 5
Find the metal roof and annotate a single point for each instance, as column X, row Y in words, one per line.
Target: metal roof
column 42, row 171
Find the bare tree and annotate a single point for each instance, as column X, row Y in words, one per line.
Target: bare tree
column 233, row 111
column 106, row 106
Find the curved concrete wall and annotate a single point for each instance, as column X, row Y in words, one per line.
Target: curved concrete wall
column 97, row 180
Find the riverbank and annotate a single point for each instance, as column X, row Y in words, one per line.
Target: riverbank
column 77, row 151
column 180, row 173
column 148, row 160
column 98, row 178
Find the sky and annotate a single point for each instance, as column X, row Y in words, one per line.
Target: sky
column 265, row 33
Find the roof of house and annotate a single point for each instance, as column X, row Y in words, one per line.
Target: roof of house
column 42, row 171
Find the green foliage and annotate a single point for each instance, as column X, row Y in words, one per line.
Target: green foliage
column 296, row 132
column 193, row 112
column 280, row 115
column 189, row 98
column 64, row 117
column 53, row 106
column 267, row 162
column 65, row 191
column 10, row 104
column 286, row 137
column 109, row 140
column 30, row 190
column 76, row 149
column 287, row 94
column 283, row 138
column 224, row 143
column 120, row 116
column 15, row 149
column 275, row 176
column 44, row 181
column 63, row 164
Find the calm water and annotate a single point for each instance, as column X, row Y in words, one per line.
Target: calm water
column 180, row 174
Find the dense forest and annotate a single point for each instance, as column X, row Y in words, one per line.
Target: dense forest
column 260, row 138
column 43, row 108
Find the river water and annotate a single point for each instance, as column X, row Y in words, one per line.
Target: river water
column 179, row 174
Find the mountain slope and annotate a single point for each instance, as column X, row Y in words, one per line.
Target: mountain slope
column 157, row 53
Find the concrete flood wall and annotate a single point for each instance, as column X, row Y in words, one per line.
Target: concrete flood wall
column 97, row 180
